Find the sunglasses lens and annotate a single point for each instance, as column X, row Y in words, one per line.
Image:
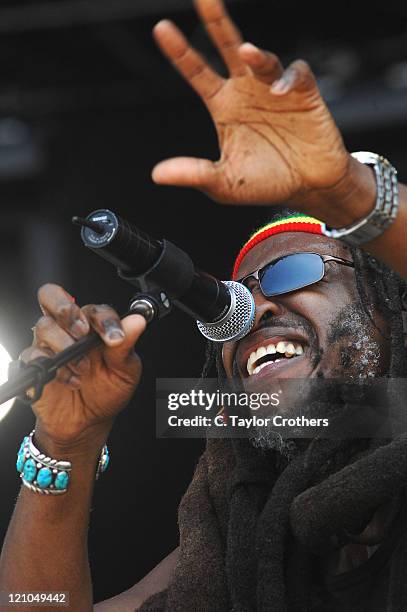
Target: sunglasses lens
column 291, row 273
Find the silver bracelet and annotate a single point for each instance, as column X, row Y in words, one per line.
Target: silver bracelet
column 386, row 207
column 45, row 475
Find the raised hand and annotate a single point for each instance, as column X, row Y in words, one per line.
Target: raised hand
column 86, row 396
column 277, row 139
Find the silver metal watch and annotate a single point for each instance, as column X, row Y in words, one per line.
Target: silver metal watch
column 386, row 207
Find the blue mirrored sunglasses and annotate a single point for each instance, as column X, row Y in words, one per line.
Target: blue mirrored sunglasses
column 292, row 272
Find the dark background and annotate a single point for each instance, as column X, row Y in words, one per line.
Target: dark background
column 87, row 107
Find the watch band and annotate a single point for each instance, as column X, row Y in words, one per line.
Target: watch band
column 386, row 207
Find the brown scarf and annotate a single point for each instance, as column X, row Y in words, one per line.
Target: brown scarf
column 248, row 529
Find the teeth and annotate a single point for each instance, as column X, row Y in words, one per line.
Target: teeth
column 261, row 352
column 260, row 367
column 281, row 347
column 250, row 362
column 288, row 349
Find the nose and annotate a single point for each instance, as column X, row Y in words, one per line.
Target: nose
column 266, row 307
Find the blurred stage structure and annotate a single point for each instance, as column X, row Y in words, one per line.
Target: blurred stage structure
column 72, row 55
column 87, row 107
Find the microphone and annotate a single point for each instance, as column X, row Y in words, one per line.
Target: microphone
column 224, row 310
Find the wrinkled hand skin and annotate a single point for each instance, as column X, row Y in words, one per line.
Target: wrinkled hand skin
column 278, row 141
column 85, row 397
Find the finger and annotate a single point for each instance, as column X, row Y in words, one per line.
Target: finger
column 106, row 322
column 69, row 378
column 224, row 34
column 298, row 76
column 186, row 172
column 33, row 352
column 206, row 82
column 48, row 334
column 57, row 303
column 265, row 66
column 64, row 375
column 123, row 354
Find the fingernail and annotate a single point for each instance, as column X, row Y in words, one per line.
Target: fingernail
column 162, row 22
column 114, row 335
column 79, row 328
column 280, row 86
column 112, row 329
column 250, row 46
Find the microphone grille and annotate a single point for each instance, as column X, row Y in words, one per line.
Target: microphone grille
column 239, row 319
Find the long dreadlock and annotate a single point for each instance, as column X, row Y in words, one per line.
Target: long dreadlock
column 254, row 544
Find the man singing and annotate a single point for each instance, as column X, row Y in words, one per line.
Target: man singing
column 263, row 526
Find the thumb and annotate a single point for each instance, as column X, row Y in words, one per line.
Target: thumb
column 123, row 354
column 186, row 172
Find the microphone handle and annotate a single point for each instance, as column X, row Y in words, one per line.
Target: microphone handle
column 137, row 255
column 121, row 243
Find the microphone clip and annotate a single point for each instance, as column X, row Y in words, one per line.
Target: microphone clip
column 165, row 281
column 153, row 304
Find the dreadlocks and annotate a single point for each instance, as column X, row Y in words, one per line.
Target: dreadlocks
column 254, row 544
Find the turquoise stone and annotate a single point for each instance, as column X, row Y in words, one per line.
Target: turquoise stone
column 61, row 480
column 20, row 461
column 30, row 470
column 23, row 443
column 44, row 477
column 105, row 463
column 105, row 459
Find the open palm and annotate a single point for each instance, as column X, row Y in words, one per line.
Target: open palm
column 277, row 138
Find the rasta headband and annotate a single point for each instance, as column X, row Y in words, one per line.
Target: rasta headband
column 292, row 223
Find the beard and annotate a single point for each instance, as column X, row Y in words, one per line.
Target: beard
column 360, row 354
column 266, row 439
column 358, row 361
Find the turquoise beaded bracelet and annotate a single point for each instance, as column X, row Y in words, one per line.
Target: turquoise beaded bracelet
column 45, row 475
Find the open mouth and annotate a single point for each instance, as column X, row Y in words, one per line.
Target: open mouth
column 271, row 353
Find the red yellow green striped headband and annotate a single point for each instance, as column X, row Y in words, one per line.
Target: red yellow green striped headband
column 293, row 223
